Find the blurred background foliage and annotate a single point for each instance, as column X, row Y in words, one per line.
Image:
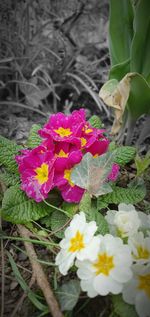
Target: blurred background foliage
column 53, row 54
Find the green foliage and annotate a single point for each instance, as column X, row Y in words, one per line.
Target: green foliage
column 68, row 294
column 142, row 163
column 131, row 195
column 9, row 179
column 91, row 173
column 8, row 151
column 34, row 139
column 124, row 155
column 85, row 203
column 31, row 295
column 18, row 208
column 58, row 223
column 101, row 223
column 96, row 122
column 121, row 308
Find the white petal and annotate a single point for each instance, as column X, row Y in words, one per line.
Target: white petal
column 90, row 251
column 64, row 260
column 87, row 286
column 110, row 216
column 89, row 231
column 121, row 274
column 105, row 284
column 129, row 291
column 142, row 305
column 125, row 207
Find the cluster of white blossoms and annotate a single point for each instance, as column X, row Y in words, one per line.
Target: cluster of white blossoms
column 115, row 263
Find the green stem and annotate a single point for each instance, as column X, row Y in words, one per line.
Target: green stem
column 31, row 240
column 57, row 208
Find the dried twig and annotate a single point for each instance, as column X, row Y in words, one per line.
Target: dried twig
column 40, row 275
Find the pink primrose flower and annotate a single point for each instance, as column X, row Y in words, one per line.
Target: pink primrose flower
column 64, row 128
column 36, row 168
column 114, row 172
column 66, row 154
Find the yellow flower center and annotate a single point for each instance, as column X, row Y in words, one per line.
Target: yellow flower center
column 142, row 253
column 104, row 264
column 77, row 243
column 62, row 154
column 67, row 175
column 83, row 142
column 96, row 155
column 144, row 284
column 42, row 173
column 63, row 132
column 88, row 131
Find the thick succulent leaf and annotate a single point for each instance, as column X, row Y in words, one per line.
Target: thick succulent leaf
column 68, row 294
column 8, row 151
column 91, row 173
column 140, row 60
column 120, row 30
column 121, row 308
column 18, row 208
column 34, row 139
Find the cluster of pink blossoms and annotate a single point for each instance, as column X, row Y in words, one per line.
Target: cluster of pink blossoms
column 65, row 140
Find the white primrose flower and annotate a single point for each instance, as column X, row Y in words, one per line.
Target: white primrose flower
column 79, row 242
column 109, row 271
column 140, row 248
column 137, row 290
column 124, row 222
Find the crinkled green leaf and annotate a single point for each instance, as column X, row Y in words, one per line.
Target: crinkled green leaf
column 68, row 294
column 18, row 208
column 95, row 122
column 124, row 154
column 123, row 309
column 58, row 220
column 9, row 179
column 85, row 203
column 91, row 173
column 8, row 151
column 142, row 163
column 131, row 195
column 71, row 208
column 34, row 139
column 101, row 223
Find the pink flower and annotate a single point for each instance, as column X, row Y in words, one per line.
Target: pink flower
column 114, row 172
column 66, row 154
column 64, row 128
column 36, row 168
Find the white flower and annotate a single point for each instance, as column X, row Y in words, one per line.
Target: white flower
column 137, row 290
column 109, row 271
column 123, row 222
column 79, row 242
column 140, row 247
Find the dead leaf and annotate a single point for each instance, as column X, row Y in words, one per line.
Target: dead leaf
column 115, row 94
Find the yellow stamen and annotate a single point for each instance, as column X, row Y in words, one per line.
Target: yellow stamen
column 67, row 175
column 142, row 253
column 96, row 155
column 104, row 264
column 63, row 132
column 42, row 173
column 83, row 142
column 144, row 284
column 62, row 154
column 77, row 243
column 88, row 131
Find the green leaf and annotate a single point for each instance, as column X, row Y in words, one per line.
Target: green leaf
column 124, row 154
column 91, row 173
column 120, row 70
column 140, row 61
column 120, row 30
column 8, row 151
column 85, row 203
column 68, row 294
column 142, row 163
column 131, row 195
column 59, row 220
column 34, row 139
column 101, row 223
column 71, row 208
column 121, row 308
column 96, row 122
column 9, row 179
column 18, row 208
column 31, row 295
